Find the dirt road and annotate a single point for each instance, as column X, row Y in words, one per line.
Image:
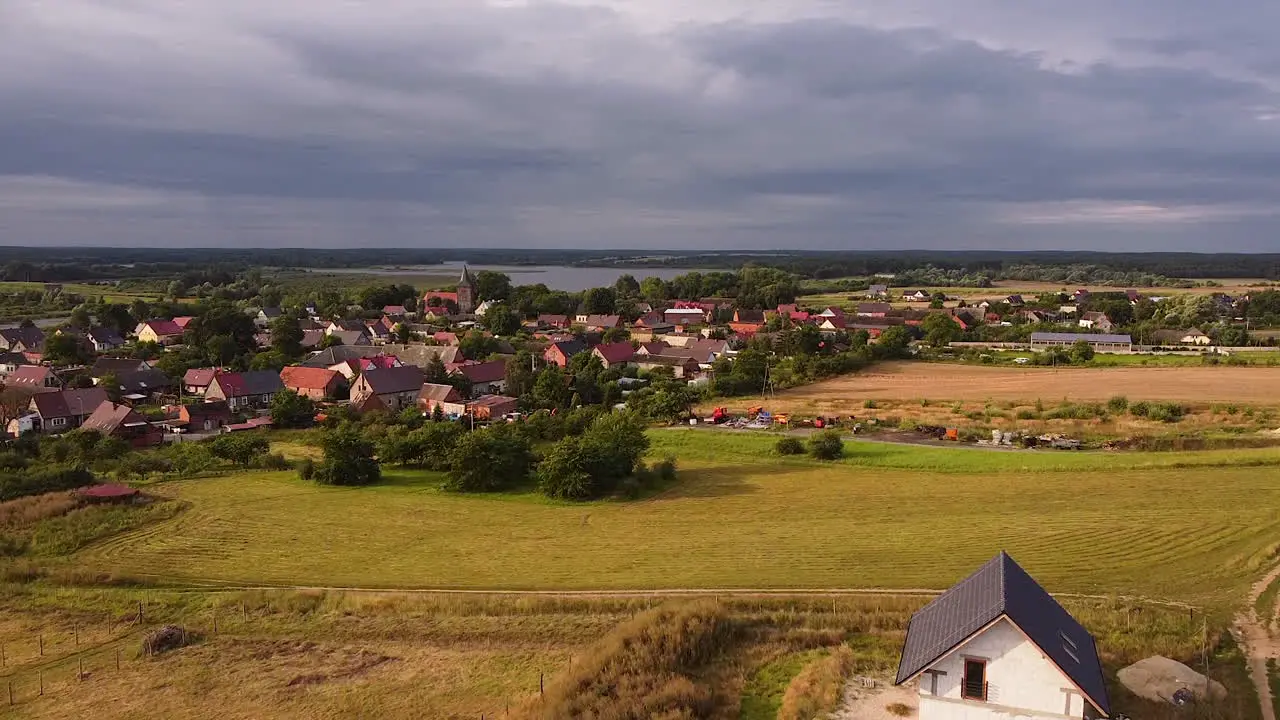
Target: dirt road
column 1254, row 635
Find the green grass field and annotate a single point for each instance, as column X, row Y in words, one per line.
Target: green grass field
column 1194, row 527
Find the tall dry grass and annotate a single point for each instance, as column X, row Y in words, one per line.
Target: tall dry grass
column 26, row 511
column 646, row 668
column 817, row 688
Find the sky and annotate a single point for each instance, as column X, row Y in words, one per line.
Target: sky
column 1123, row 125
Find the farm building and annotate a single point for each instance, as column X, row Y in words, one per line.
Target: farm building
column 445, row 396
column 489, row 407
column 1180, row 337
column 1099, row 343
column 998, row 646
column 611, row 354
column 203, row 417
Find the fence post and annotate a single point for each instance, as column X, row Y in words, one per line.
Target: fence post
column 10, row 692
column 540, row 686
column 139, row 612
column 76, row 628
column 41, row 644
column 215, row 621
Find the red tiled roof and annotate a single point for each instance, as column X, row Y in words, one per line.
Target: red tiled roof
column 615, row 352
column 485, row 372
column 164, row 328
column 108, row 490
column 199, row 377
column 183, row 321
column 378, row 362
column 307, row 378
column 30, row 376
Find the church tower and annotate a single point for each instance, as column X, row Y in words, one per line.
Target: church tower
column 466, row 292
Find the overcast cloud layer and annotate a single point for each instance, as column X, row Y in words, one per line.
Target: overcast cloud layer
column 1091, row 124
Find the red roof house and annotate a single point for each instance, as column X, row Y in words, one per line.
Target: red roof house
column 611, row 354
column 315, row 383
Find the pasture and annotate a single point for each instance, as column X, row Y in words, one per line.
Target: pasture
column 950, row 382
column 1195, row 527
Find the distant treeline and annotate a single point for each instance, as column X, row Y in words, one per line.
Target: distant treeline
column 68, row 264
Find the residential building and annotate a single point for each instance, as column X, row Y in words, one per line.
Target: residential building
column 685, row 316
column 447, row 397
column 614, row 354
column 1015, row 301
column 916, row 296
column 266, row 316
column 874, row 309
column 205, row 416
column 196, row 381
column 121, row 421
column 141, row 385
column 1096, row 321
column 103, row 339
column 395, row 312
column 998, row 646
column 598, row 323
column 183, row 321
column 161, row 332
column 395, row 388
column 22, row 339
column 64, row 410
column 877, row 291
column 1181, row 337
column 34, row 378
column 246, row 390
column 559, row 353
column 486, row 378
column 681, row 367
column 793, row 312
column 1099, row 343
column 11, row 361
column 559, row 322
column 490, row 407
column 315, row 383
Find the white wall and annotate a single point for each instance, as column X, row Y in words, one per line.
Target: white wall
column 1021, row 681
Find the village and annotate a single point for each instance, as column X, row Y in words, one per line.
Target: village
column 441, row 356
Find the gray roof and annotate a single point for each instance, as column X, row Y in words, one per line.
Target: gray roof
column 1072, row 337
column 1002, row 588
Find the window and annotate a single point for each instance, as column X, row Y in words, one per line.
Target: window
column 974, row 685
column 57, row 422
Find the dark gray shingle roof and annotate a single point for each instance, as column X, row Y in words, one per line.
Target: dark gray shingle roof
column 1001, row 587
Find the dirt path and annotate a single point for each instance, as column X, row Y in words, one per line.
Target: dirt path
column 1254, row 636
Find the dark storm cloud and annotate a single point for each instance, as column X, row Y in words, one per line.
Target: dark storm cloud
column 575, row 124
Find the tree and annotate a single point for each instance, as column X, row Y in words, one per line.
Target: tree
column 239, row 448
column 286, row 336
column 615, row 334
column 437, row 413
column 110, row 384
column 116, row 315
column 291, row 410
column 65, row 349
column 654, row 289
column 1081, row 352
column 475, row 345
column 221, row 349
column 893, row 342
column 80, row 318
column 593, row 465
column 491, row 285
column 268, row 360
column 598, row 301
column 551, row 388
column 147, row 350
column 403, row 333
column 348, row 460
column 493, row 458
column 626, row 286
column 329, row 341
column 500, row 320
column 519, row 375
column 435, row 371
column 563, row 474
column 940, row 330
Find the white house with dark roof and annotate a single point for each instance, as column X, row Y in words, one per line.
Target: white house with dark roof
column 998, row 647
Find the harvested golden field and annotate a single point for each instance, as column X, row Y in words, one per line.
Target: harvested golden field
column 948, row 382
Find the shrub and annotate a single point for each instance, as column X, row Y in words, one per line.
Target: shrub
column 870, row 405
column 1166, row 412
column 1028, row 414
column 36, row 481
column 1140, row 409
column 306, row 469
column 272, row 461
column 1118, row 404
column 815, row 690
column 789, row 446
column 348, row 460
column 494, row 458
column 238, row 448
column 826, row 445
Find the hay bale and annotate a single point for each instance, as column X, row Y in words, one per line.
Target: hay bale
column 164, row 639
column 1159, row 678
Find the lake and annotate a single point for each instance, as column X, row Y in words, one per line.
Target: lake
column 556, row 277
